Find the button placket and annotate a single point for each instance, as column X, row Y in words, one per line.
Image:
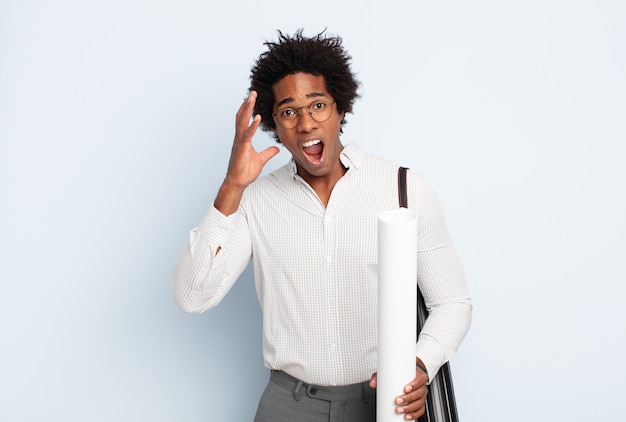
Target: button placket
column 330, row 281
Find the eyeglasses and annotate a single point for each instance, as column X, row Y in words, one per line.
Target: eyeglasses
column 288, row 117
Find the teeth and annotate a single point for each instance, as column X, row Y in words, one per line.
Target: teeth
column 311, row 143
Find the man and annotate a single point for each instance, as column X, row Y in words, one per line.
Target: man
column 310, row 229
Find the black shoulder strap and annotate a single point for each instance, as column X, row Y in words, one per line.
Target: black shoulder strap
column 402, row 195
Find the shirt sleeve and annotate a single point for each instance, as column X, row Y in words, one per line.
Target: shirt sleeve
column 217, row 253
column 441, row 280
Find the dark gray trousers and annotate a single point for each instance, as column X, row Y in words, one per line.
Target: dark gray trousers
column 287, row 399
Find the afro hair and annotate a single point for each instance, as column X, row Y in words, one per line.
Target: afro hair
column 320, row 55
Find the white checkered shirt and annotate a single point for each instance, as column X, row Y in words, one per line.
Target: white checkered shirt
column 316, row 269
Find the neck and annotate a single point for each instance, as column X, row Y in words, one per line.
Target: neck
column 324, row 185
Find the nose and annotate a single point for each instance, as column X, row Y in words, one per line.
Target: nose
column 306, row 123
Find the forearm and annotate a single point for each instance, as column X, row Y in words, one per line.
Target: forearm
column 442, row 283
column 442, row 334
column 229, row 198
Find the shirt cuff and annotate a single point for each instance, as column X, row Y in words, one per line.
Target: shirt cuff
column 430, row 353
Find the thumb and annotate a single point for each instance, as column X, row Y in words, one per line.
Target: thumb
column 374, row 381
column 268, row 153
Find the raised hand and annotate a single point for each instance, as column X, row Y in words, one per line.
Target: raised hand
column 245, row 163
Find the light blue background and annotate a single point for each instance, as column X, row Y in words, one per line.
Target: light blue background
column 116, row 120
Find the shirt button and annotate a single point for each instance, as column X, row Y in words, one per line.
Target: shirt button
column 329, row 259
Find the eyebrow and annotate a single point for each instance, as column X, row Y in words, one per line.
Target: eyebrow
column 291, row 99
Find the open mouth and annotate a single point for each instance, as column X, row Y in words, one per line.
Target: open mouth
column 313, row 150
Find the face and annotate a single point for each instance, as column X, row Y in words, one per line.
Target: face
column 315, row 146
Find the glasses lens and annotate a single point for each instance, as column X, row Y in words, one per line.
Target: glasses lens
column 320, row 111
column 288, row 117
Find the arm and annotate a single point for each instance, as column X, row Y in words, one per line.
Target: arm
column 442, row 282
column 219, row 248
column 202, row 275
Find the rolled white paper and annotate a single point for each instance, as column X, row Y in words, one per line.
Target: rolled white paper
column 397, row 308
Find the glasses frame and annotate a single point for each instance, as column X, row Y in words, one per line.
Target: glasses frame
column 299, row 113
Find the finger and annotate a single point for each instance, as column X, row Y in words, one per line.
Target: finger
column 253, row 126
column 410, row 399
column 374, row 380
column 268, row 153
column 413, row 395
column 414, row 415
column 412, row 404
column 420, row 380
column 412, row 410
column 409, row 403
column 244, row 115
column 245, row 133
column 248, row 104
